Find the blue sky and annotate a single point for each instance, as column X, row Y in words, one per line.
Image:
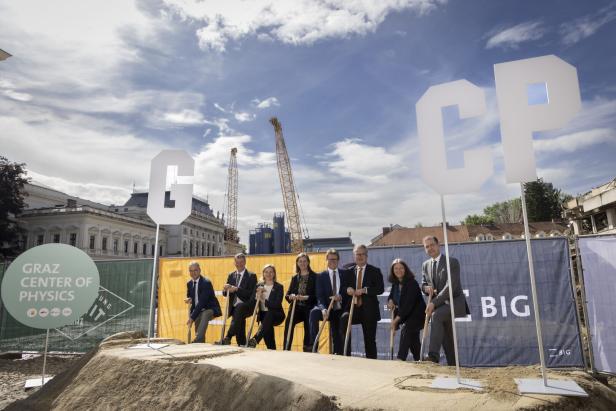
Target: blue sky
column 94, row 90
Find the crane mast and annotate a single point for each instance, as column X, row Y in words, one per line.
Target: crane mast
column 231, row 195
column 288, row 189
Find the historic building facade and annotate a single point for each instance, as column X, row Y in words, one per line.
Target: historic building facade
column 116, row 232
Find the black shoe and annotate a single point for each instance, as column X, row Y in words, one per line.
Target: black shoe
column 224, row 341
column 252, row 343
column 434, row 357
column 307, row 348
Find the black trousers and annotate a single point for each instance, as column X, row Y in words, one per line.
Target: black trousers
column 302, row 314
column 409, row 340
column 238, row 323
column 268, row 319
column 368, row 323
column 316, row 315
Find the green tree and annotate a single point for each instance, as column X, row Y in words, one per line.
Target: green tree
column 506, row 212
column 418, row 225
column 12, row 180
column 543, row 201
column 475, row 219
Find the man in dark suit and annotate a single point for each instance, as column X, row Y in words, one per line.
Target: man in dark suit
column 241, row 285
column 329, row 284
column 434, row 271
column 203, row 302
column 365, row 282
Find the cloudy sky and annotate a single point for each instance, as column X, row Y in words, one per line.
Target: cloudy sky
column 95, row 89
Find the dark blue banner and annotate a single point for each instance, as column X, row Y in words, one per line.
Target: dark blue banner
column 599, row 268
column 495, row 278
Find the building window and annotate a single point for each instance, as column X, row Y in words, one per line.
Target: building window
column 191, row 232
column 145, row 248
column 104, row 243
column 115, row 245
column 489, row 237
column 153, row 248
column 56, row 238
column 92, row 240
column 202, row 249
column 135, row 245
column 507, row 236
column 185, row 230
column 40, row 239
column 126, row 246
column 540, row 234
column 480, row 237
column 72, row 240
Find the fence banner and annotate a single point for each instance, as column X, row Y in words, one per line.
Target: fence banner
column 495, row 278
column 598, row 255
column 122, row 305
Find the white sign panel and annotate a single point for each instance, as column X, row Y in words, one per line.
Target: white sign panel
column 180, row 193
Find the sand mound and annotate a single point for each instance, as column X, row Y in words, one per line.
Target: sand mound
column 202, row 376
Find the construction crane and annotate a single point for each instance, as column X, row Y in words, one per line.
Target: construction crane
column 288, row 190
column 231, row 197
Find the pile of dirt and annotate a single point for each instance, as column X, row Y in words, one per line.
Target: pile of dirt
column 116, row 383
column 202, row 376
column 15, row 371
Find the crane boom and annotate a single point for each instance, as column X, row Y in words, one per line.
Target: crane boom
column 288, row 189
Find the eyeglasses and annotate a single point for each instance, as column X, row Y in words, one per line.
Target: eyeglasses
column 361, row 253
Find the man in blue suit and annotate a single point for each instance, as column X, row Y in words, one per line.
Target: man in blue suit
column 328, row 287
column 203, row 302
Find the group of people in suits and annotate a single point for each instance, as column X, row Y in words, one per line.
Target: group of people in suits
column 329, row 296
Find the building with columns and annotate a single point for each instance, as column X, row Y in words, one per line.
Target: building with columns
column 116, row 232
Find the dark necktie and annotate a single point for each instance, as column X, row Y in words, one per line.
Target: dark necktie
column 335, row 290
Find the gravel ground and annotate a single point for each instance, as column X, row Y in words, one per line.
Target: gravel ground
column 15, row 372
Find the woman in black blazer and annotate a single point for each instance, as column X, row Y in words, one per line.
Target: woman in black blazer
column 269, row 296
column 409, row 310
column 303, row 288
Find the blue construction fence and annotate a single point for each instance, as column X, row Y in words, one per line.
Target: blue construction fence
column 495, row 277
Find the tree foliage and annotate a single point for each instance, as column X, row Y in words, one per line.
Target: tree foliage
column 12, row 180
column 475, row 219
column 543, row 203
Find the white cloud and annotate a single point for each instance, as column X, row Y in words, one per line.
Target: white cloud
column 350, row 158
column 570, row 143
column 267, row 103
column 184, row 117
column 243, row 116
column 294, row 22
column 511, row 37
column 583, row 27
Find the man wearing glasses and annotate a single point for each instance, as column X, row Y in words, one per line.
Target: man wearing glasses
column 365, row 282
column 329, row 284
column 203, row 303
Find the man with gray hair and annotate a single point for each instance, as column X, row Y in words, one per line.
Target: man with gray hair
column 434, row 271
column 204, row 305
column 365, row 283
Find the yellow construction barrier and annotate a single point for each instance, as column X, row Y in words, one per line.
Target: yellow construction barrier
column 173, row 276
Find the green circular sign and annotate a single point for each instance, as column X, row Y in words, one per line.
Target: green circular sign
column 50, row 286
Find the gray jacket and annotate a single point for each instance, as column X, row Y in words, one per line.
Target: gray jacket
column 438, row 281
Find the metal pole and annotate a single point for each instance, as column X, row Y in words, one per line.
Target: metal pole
column 453, row 314
column 45, row 358
column 533, row 287
column 151, row 320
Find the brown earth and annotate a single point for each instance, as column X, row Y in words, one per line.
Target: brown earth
column 202, row 376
